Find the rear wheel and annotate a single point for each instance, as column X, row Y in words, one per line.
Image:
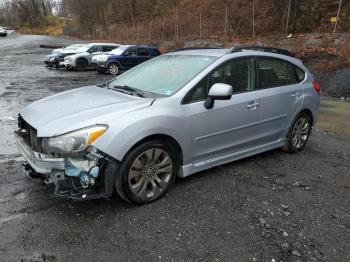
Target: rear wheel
column 81, row 65
column 147, row 172
column 113, row 68
column 298, row 133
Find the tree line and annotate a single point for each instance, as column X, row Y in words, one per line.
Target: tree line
column 174, row 19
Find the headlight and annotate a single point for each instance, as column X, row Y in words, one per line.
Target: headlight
column 52, row 59
column 75, row 141
column 103, row 58
column 68, row 58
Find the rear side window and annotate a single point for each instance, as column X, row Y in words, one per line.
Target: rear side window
column 299, row 74
column 154, row 52
column 131, row 51
column 142, row 52
column 273, row 73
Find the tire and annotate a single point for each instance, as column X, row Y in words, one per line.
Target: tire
column 81, row 65
column 113, row 69
column 298, row 133
column 147, row 172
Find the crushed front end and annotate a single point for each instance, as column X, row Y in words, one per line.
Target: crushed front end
column 79, row 175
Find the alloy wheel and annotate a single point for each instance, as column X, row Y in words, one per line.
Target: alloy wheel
column 300, row 133
column 150, row 173
column 114, row 69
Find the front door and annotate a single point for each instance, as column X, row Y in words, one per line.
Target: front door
column 230, row 126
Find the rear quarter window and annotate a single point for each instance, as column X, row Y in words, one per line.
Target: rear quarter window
column 154, row 52
column 299, row 74
column 273, row 73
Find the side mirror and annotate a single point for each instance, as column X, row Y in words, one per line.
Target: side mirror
column 218, row 91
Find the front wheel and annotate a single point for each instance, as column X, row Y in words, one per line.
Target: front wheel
column 81, row 65
column 298, row 133
column 113, row 69
column 147, row 172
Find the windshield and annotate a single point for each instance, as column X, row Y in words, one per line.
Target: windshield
column 118, row 51
column 83, row 49
column 164, row 75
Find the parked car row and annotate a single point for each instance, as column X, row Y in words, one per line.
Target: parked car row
column 104, row 57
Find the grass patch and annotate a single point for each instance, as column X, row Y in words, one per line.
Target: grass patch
column 49, row 25
column 334, row 117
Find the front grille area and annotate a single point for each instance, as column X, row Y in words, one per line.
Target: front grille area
column 29, row 134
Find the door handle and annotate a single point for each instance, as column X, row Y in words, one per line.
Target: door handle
column 252, row 105
column 296, row 94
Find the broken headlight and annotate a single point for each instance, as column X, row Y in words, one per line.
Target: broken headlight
column 75, row 141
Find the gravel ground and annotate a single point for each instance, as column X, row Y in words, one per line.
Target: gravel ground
column 270, row 207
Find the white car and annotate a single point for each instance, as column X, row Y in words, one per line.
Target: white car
column 81, row 60
column 3, row 32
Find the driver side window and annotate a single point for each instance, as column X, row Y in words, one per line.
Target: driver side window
column 238, row 73
column 95, row 49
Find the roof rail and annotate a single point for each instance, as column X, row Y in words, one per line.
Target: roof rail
column 193, row 48
column 262, row 48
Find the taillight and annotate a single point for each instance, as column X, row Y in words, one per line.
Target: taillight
column 316, row 86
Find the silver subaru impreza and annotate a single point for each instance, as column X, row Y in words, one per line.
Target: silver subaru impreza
column 174, row 115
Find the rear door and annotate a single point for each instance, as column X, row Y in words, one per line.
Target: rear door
column 143, row 54
column 281, row 96
column 129, row 58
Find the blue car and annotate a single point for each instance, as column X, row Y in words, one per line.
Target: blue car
column 123, row 58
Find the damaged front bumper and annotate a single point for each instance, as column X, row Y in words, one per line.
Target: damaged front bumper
column 78, row 178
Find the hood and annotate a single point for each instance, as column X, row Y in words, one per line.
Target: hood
column 75, row 55
column 78, row 108
column 69, row 51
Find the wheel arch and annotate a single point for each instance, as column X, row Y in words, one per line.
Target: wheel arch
column 84, row 59
column 114, row 62
column 162, row 137
column 297, row 113
column 308, row 112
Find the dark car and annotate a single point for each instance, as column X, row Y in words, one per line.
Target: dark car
column 124, row 58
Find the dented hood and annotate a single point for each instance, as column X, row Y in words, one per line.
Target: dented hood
column 78, row 108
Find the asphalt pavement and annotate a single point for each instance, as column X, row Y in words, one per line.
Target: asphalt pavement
column 271, row 207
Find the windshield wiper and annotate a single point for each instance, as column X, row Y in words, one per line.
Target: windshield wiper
column 129, row 90
column 103, row 85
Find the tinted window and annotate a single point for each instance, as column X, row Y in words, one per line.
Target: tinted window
column 95, row 49
column 142, row 52
column 237, row 73
column 299, row 74
column 272, row 73
column 131, row 51
column 108, row 48
column 154, row 52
